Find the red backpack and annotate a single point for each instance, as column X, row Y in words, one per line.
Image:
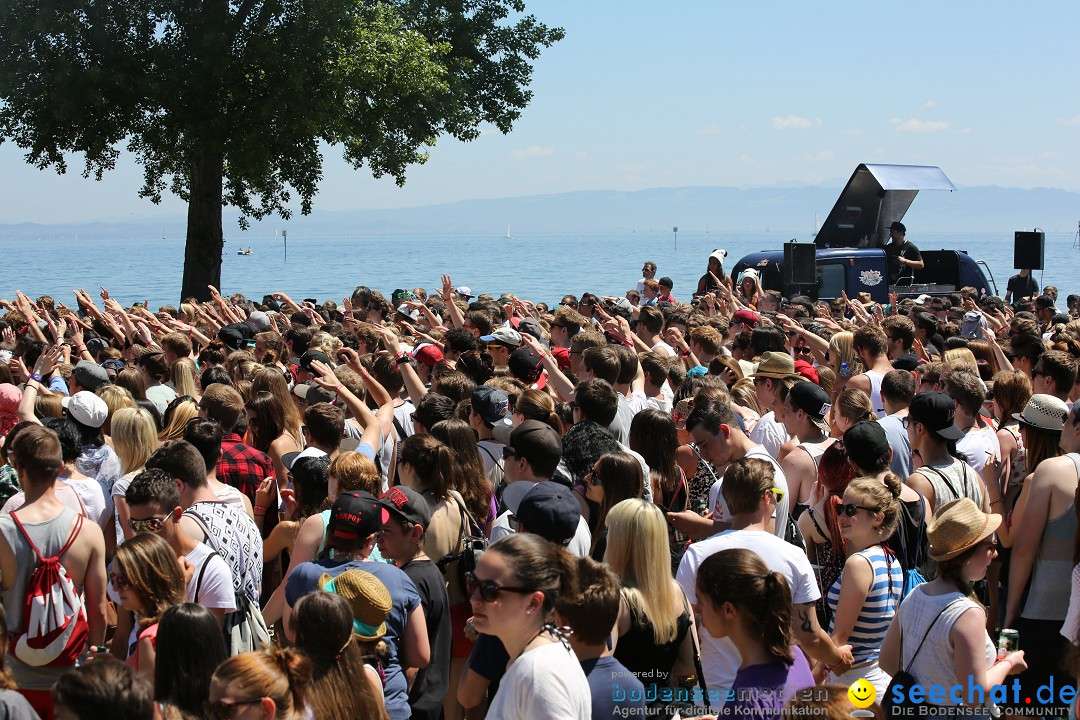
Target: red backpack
column 54, row 619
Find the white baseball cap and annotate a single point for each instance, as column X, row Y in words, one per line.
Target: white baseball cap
column 87, row 408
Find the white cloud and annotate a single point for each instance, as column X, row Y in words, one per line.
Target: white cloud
column 533, row 151
column 791, row 121
column 710, row 129
column 914, row 125
column 1074, row 120
column 929, row 104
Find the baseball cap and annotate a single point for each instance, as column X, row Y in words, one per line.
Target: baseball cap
column 536, row 442
column 428, row 354
column 259, row 320
column 504, row 335
column 313, row 394
column 90, row 375
column 413, row 315
column 666, row 282
column 937, row 412
column 747, row 317
column 525, row 365
column 808, row 371
column 311, row 356
column 906, row 362
column 550, row 511
column 355, row 514
column 490, row 403
column 562, row 356
column 232, row 338
column 971, row 325
column 897, row 225
column 96, row 345
column 407, row 504
column 866, row 443
column 811, row 399
column 289, row 459
column 529, row 327
column 86, row 408
column 465, row 291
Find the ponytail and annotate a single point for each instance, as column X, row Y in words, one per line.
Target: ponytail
column 296, row 668
column 774, row 616
column 281, row 674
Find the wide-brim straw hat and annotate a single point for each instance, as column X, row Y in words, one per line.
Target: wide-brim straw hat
column 776, row 365
column 367, row 597
column 958, row 526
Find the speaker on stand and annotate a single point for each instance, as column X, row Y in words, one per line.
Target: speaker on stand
column 1028, row 250
column 800, row 267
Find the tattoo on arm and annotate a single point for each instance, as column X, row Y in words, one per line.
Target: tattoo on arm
column 805, row 618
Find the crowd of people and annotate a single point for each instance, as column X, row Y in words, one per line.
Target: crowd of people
column 452, row 505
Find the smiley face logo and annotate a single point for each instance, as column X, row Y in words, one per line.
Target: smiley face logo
column 861, row 693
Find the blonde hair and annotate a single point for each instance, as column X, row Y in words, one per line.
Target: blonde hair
column 639, row 553
column 116, row 398
column 961, row 359
column 842, row 347
column 183, row 374
column 183, row 413
column 326, row 342
column 135, row 438
column 742, row 393
column 854, row 405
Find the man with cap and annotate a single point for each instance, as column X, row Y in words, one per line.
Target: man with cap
column 768, row 432
column 1041, row 539
column 720, row 440
column 489, row 407
column 500, row 343
column 804, row 411
column 527, row 366
column 426, row 356
column 305, row 373
column 665, row 296
column 405, row 518
column 742, row 320
column 87, row 376
column 940, row 477
column 354, row 527
column 901, row 254
column 532, row 455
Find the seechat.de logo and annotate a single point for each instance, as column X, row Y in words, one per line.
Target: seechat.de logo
column 862, row 695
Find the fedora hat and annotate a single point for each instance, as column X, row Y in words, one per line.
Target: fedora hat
column 1045, row 412
column 776, row 365
column 958, row 526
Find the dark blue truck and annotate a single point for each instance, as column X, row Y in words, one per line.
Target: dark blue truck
column 849, row 244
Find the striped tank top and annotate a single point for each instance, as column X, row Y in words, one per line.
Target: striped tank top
column 879, row 607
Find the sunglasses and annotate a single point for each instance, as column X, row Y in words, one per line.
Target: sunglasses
column 851, row 509
column 508, row 452
column 777, row 493
column 118, row 581
column 150, row 525
column 222, row 709
column 489, row 589
column 591, row 478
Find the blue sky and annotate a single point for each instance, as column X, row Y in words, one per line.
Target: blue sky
column 646, row 94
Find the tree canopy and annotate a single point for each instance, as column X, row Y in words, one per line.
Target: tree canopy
column 231, row 101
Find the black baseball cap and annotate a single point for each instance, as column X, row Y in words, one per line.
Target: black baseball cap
column 490, row 403
column 897, row 225
column 811, row 399
column 537, row 442
column 550, row 511
column 355, row 515
column 866, row 443
column 311, row 356
column 906, row 362
column 937, row 411
column 407, row 504
column 525, row 365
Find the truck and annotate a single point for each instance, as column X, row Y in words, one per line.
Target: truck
column 849, row 245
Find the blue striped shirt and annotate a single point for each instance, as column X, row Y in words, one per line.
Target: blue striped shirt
column 879, row 607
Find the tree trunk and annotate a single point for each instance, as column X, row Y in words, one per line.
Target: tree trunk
column 205, row 240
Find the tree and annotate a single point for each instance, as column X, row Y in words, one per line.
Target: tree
column 232, row 101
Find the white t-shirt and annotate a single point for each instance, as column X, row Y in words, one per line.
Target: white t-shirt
column 216, row 590
column 719, row 506
column 543, row 684
column 769, row 433
column 978, row 446
column 579, row 546
column 93, row 499
column 664, row 349
column 719, row 657
column 491, row 457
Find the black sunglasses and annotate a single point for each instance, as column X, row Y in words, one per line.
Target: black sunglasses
column 851, row 509
column 489, row 589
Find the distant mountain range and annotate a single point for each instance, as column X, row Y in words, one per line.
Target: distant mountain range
column 787, row 207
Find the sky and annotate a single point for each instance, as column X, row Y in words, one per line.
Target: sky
column 694, row 92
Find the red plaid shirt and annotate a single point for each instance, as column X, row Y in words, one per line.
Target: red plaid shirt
column 242, row 466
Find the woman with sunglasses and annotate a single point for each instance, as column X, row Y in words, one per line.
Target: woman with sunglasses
column 135, row 439
column 147, row 581
column 266, row 685
column 944, row 611
column 614, row 477
column 865, row 596
column 513, row 593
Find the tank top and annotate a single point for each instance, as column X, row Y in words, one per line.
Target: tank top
column 953, row 482
column 815, row 451
column 639, row 652
column 875, row 393
column 830, row 564
column 878, row 608
column 1051, row 572
column 909, row 540
column 1018, row 469
column 49, row 536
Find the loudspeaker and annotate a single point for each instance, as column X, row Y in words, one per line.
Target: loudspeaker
column 800, row 264
column 1028, row 250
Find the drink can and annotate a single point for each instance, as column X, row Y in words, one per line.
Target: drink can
column 1008, row 642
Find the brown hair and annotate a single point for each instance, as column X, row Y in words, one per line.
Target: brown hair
column 745, row 481
column 432, row 461
column 1012, row 390
column 48, row 406
column 355, row 471
column 538, row 405
column 621, row 478
column 281, row 674
column 591, row 612
column 274, row 382
column 471, row 479
column 538, row 566
column 37, row 453
column 854, row 405
column 150, row 567
column 224, row 404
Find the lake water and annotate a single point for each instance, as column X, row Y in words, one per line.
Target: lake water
column 537, row 267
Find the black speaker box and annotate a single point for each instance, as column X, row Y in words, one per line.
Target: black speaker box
column 1028, row 250
column 800, row 264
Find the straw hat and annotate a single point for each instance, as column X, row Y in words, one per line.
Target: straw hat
column 958, row 526
column 775, row 365
column 367, row 596
column 1045, row 412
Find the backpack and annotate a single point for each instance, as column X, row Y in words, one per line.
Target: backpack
column 54, row 618
column 472, row 545
column 897, row 699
